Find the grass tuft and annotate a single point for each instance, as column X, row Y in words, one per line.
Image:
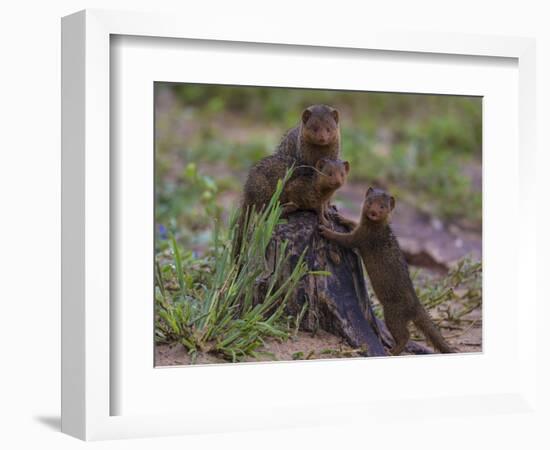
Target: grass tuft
column 214, row 311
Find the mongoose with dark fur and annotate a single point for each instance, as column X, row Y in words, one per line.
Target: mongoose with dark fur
column 308, row 188
column 316, row 137
column 262, row 180
column 314, row 192
column 259, row 187
column 387, row 270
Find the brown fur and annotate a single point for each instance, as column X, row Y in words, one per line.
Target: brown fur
column 262, row 180
column 316, row 137
column 314, row 192
column 388, row 271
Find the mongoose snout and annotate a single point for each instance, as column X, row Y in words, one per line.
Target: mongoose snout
column 378, row 205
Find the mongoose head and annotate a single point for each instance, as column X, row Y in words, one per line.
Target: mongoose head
column 320, row 125
column 333, row 173
column 377, row 206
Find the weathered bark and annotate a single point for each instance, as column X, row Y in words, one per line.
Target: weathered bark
column 339, row 303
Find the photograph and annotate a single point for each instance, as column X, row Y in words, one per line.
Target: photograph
column 297, row 224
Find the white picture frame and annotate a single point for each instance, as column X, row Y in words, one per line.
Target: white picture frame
column 88, row 329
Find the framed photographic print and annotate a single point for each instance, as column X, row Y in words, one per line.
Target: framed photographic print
column 248, row 246
column 209, row 138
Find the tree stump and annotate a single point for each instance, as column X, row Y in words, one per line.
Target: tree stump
column 339, row 303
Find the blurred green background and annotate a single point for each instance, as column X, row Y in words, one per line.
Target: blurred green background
column 426, row 149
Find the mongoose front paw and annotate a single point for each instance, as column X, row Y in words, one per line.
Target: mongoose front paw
column 324, row 221
column 340, row 220
column 322, row 230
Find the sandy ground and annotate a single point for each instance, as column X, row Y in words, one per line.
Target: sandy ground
column 304, row 346
column 322, row 346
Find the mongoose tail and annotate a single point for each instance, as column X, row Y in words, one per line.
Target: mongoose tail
column 425, row 324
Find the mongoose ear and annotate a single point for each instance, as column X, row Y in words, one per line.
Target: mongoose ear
column 346, row 166
column 306, row 115
column 392, row 203
column 369, row 191
column 320, row 164
column 335, row 115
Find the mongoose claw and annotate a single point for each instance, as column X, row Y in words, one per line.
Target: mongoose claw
column 341, row 220
column 322, row 230
column 323, row 221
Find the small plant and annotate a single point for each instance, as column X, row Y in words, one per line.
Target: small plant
column 219, row 315
column 457, row 294
column 189, row 204
column 410, row 162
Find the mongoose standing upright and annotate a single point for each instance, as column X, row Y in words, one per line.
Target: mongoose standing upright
column 314, row 192
column 387, row 270
column 317, row 136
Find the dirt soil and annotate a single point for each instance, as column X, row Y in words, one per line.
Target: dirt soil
column 322, row 346
column 303, row 346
